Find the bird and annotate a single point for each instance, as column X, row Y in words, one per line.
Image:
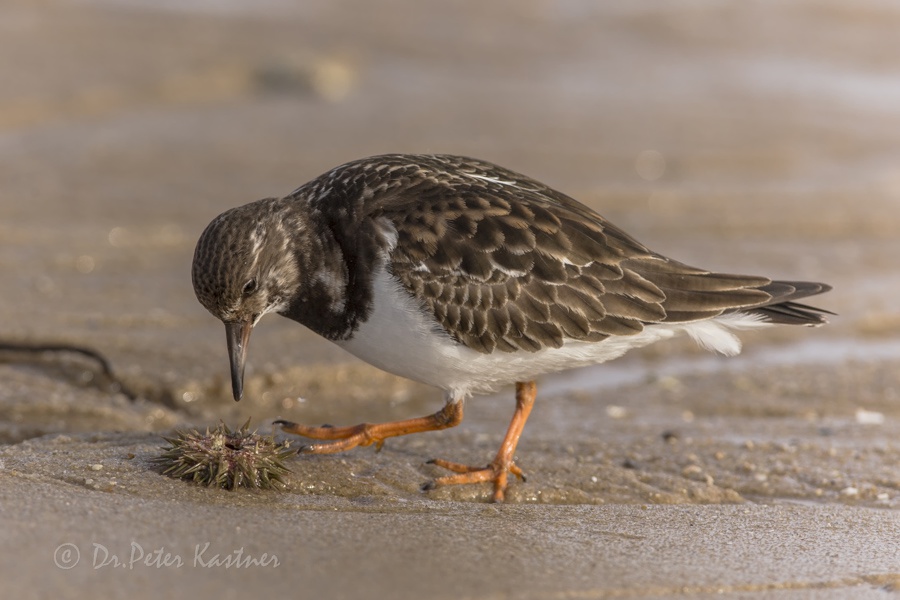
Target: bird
column 466, row 276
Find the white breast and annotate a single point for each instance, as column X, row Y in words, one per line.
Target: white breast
column 401, row 338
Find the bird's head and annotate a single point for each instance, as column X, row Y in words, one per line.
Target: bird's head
column 244, row 267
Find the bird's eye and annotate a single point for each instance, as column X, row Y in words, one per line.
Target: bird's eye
column 249, row 287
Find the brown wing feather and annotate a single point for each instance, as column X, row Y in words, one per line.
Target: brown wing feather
column 505, row 263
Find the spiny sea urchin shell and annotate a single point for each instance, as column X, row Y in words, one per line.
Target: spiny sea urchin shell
column 226, row 459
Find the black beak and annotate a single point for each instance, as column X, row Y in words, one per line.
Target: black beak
column 238, row 336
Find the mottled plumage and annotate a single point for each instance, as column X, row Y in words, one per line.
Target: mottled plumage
column 466, row 276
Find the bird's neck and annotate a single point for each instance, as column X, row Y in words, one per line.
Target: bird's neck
column 332, row 297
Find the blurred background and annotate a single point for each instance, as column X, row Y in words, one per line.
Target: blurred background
column 757, row 137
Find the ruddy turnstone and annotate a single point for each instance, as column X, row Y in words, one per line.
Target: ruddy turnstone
column 466, row 276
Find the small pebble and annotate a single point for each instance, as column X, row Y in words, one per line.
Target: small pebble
column 691, row 470
column 869, row 417
column 616, row 412
column 97, row 467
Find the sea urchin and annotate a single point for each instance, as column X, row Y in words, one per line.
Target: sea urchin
column 226, row 459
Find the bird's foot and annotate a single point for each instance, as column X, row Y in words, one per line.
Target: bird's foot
column 347, row 438
column 496, row 472
column 499, row 469
column 366, row 434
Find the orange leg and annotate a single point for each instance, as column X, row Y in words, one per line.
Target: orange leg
column 497, row 471
column 366, row 434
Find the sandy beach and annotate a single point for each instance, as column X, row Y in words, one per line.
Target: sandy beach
column 759, row 138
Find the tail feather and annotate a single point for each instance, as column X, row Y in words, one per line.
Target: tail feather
column 782, row 308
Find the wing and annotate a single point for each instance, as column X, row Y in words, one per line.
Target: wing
column 505, row 263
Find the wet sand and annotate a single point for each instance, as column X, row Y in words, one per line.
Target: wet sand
column 757, row 139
